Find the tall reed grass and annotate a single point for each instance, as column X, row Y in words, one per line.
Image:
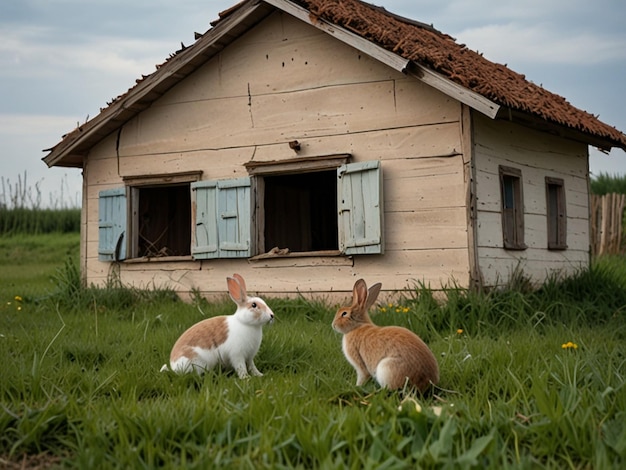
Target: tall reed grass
column 23, row 211
column 605, row 183
column 20, row 194
column 39, row 221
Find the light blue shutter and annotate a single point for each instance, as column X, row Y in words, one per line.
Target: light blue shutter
column 233, row 222
column 360, row 201
column 205, row 245
column 222, row 219
column 112, row 224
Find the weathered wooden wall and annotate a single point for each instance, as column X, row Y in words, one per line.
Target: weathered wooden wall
column 537, row 155
column 285, row 81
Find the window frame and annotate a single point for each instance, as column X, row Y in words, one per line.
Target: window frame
column 556, row 221
column 512, row 218
column 258, row 170
column 134, row 184
column 123, row 225
column 367, row 237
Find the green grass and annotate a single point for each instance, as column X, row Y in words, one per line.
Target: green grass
column 81, row 388
column 29, row 263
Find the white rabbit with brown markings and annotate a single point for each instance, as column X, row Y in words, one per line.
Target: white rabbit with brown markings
column 231, row 341
column 394, row 356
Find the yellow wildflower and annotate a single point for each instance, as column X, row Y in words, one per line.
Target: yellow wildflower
column 18, row 298
column 459, row 331
column 569, row 345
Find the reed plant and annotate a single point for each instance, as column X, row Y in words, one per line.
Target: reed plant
column 23, row 210
column 529, row 378
column 605, row 183
column 21, row 221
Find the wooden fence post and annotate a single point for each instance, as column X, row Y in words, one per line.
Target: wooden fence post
column 607, row 213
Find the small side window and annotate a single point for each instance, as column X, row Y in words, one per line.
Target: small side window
column 512, row 198
column 556, row 214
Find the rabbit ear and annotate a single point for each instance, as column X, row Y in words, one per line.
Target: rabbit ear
column 372, row 295
column 242, row 283
column 237, row 293
column 359, row 294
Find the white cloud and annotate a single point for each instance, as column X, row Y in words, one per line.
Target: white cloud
column 540, row 43
column 27, row 50
column 23, row 139
column 29, row 124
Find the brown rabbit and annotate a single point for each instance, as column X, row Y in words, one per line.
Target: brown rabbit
column 393, row 355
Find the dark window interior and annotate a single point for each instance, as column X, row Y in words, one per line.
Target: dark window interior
column 164, row 221
column 301, row 211
column 557, row 219
column 509, row 183
column 512, row 208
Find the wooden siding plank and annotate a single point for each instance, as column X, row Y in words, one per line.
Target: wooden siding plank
column 423, row 183
column 282, row 56
column 410, row 142
column 490, row 234
column 498, row 264
column 426, row 229
column 390, row 59
column 282, row 276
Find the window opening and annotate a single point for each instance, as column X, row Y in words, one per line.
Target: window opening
column 163, row 220
column 556, row 214
column 301, row 211
column 512, row 208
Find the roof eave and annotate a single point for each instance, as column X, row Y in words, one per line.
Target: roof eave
column 454, row 90
column 604, row 144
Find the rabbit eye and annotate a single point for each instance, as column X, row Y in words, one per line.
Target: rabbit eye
column 253, row 304
column 343, row 314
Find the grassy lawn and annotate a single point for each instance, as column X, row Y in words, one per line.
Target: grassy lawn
column 28, row 263
column 528, row 379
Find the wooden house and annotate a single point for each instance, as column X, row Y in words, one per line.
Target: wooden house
column 308, row 143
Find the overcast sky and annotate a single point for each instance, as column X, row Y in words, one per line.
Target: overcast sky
column 62, row 60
